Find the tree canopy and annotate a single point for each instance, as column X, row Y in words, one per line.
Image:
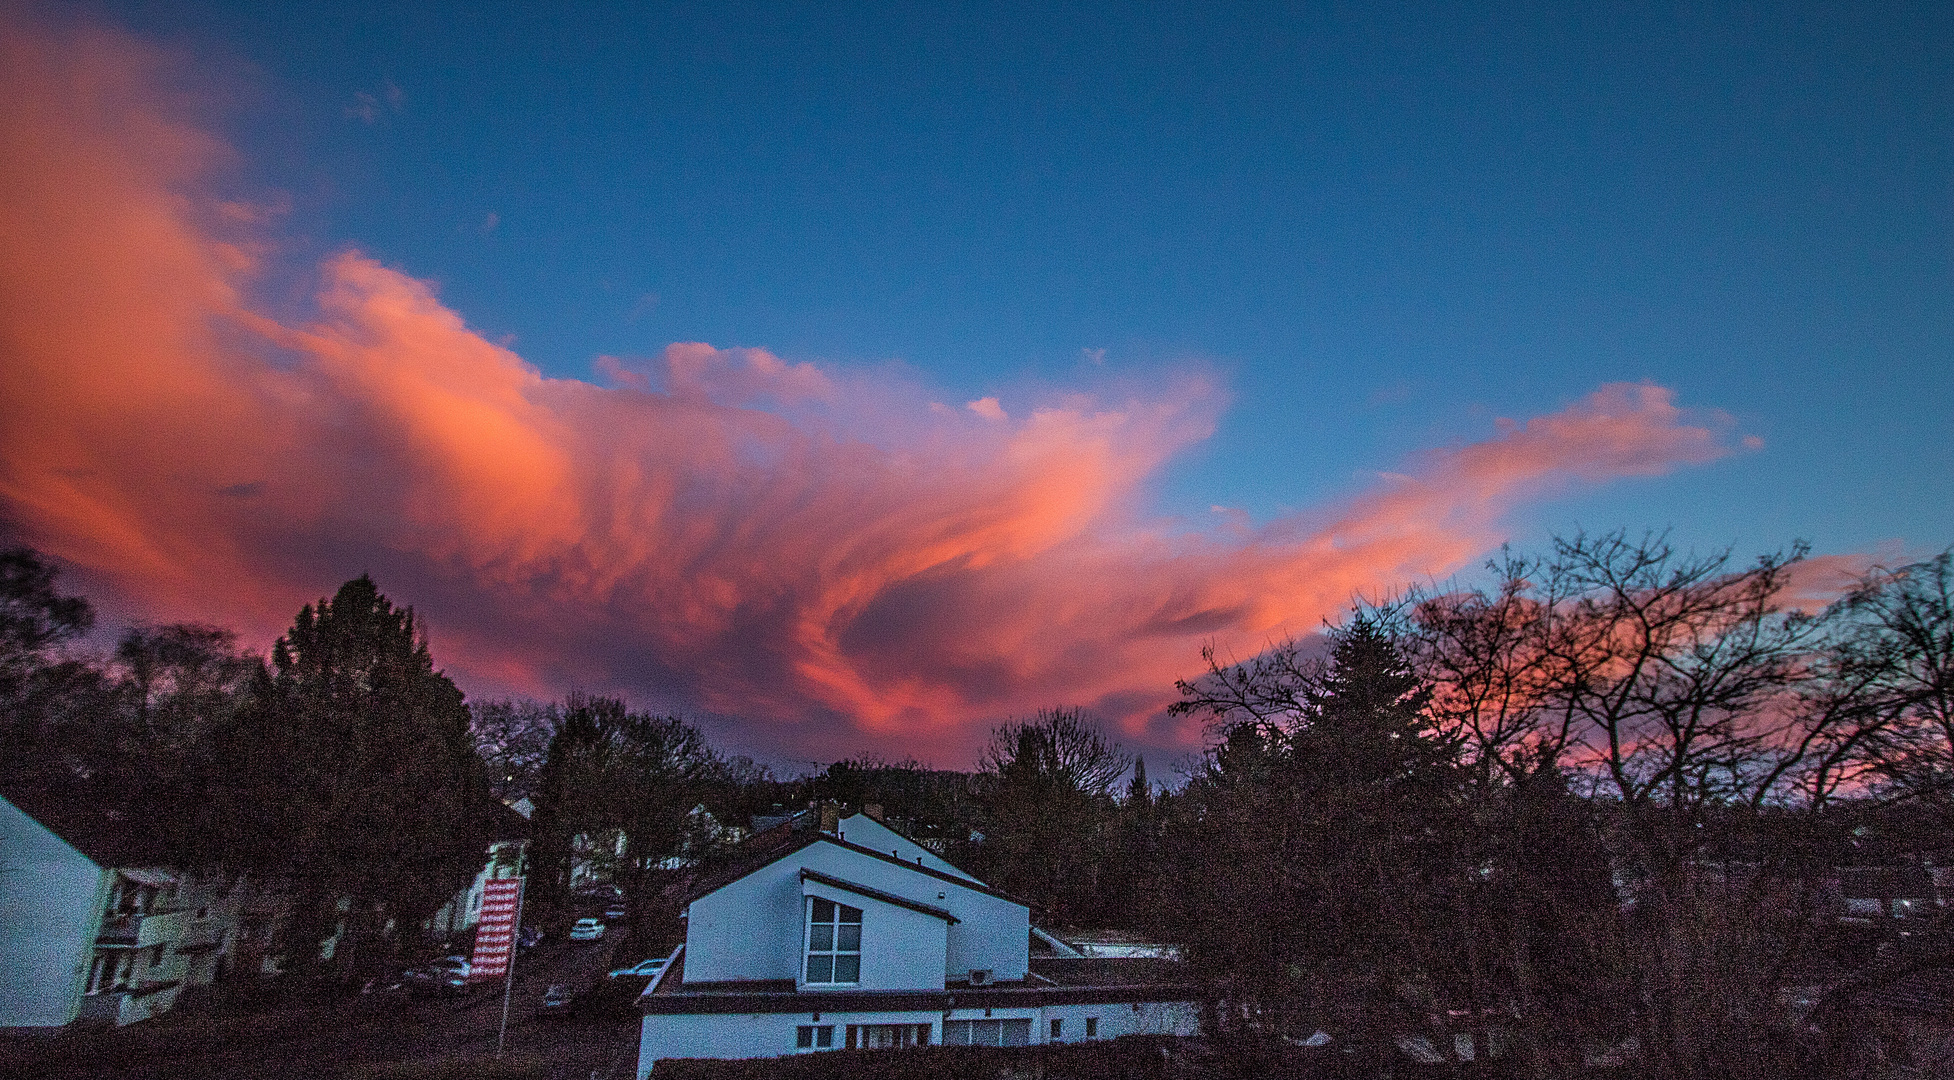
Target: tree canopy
column 352, row 771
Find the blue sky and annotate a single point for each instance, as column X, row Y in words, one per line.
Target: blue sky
column 1381, row 225
column 1386, row 286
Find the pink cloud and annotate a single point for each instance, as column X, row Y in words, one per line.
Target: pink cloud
column 834, row 560
column 988, row 408
column 740, row 376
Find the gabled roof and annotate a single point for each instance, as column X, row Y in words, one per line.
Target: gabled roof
column 772, row 845
column 758, row 850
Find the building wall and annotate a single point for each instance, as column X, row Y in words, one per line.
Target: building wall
column 900, row 947
column 750, row 1035
column 51, row 898
column 872, row 834
column 460, row 914
column 752, row 928
column 184, row 936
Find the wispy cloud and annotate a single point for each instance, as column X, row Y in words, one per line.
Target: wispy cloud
column 370, row 107
column 835, row 559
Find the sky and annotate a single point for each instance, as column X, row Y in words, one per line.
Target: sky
column 854, row 378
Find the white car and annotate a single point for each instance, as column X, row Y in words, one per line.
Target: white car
column 587, row 930
column 641, row 969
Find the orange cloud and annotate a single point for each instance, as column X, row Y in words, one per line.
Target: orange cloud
column 828, row 560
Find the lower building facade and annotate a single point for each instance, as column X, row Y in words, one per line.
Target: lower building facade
column 751, row 1024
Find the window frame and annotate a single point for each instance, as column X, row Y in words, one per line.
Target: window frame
column 110, row 971
column 1006, row 1031
column 835, row 952
column 889, row 1036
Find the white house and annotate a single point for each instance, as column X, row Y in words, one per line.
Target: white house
column 845, row 933
column 93, row 929
column 460, row 914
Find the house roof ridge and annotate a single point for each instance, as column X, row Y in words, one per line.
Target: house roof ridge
column 766, row 856
column 966, row 882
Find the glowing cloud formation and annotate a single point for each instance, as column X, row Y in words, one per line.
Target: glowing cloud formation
column 837, row 564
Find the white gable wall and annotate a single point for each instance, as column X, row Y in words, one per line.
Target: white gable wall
column 51, row 900
column 750, row 929
column 901, row 949
column 872, row 834
column 754, row 927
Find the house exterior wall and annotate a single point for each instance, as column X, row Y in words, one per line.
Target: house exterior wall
column 752, row 928
column 51, row 899
column 460, row 914
column 755, row 1035
column 900, row 947
column 872, row 834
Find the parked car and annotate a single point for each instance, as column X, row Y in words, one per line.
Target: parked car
column 587, row 930
column 427, row 981
column 556, row 1000
column 615, row 912
column 459, row 965
column 641, row 969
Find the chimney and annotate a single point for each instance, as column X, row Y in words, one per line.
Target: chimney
column 830, row 817
column 874, row 811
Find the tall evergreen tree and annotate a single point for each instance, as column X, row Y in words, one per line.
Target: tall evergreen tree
column 47, row 697
column 1318, row 847
column 353, row 774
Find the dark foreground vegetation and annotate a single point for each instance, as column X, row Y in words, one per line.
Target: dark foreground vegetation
column 1601, row 814
column 298, row 1033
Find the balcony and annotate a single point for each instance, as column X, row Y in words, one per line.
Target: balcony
column 141, row 931
column 129, row 1005
column 201, row 938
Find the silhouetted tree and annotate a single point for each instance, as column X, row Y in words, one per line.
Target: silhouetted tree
column 611, row 772
column 1047, row 790
column 1319, row 848
column 175, row 689
column 50, row 703
column 1902, row 638
column 1712, row 731
column 513, row 739
column 352, row 773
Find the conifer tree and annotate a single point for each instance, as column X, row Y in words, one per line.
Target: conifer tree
column 353, row 774
column 1316, row 847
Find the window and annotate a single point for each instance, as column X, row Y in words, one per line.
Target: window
column 986, row 1032
column 112, row 970
column 814, row 1037
column 834, row 942
column 887, row 1036
column 1057, row 1026
column 1092, row 1027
